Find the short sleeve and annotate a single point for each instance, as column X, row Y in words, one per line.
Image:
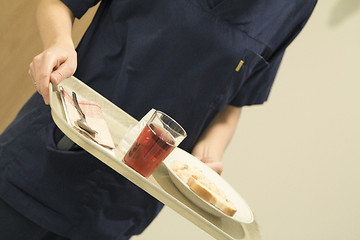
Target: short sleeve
column 256, row 88
column 79, row 7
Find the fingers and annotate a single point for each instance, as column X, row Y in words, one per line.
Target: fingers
column 216, row 166
column 39, row 70
column 50, row 66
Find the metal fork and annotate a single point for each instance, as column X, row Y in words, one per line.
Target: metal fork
column 82, row 121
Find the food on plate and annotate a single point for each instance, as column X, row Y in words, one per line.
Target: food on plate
column 184, row 171
column 204, row 187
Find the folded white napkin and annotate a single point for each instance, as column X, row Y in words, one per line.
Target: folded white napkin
column 94, row 118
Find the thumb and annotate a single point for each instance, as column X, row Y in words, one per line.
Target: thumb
column 62, row 72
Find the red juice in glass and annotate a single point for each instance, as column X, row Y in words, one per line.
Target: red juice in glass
column 152, row 146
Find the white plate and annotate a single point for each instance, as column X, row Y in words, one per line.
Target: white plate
column 243, row 213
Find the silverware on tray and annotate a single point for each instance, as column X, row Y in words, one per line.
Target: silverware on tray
column 82, row 121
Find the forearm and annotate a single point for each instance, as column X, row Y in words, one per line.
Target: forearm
column 214, row 140
column 59, row 59
column 55, row 22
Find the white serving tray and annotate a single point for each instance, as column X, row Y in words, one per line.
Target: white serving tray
column 159, row 184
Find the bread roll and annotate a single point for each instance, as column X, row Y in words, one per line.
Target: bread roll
column 204, row 187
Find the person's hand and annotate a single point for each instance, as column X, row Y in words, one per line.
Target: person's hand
column 212, row 143
column 213, row 162
column 52, row 65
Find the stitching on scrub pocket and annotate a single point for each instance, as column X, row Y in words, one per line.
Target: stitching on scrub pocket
column 209, row 5
column 239, row 66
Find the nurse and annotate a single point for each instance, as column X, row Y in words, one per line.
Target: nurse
column 199, row 61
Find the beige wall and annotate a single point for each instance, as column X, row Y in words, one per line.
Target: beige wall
column 296, row 159
column 19, row 43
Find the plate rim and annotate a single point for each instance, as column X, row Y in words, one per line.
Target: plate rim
column 169, row 160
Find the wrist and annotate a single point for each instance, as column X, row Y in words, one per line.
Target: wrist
column 64, row 42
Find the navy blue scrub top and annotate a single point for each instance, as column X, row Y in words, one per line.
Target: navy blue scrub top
column 188, row 58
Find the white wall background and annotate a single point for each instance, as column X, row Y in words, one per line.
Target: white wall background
column 296, row 159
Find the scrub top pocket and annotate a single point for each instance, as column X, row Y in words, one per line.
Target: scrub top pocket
column 252, row 63
column 248, row 63
column 75, row 159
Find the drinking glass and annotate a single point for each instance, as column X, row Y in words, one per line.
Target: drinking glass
column 155, row 142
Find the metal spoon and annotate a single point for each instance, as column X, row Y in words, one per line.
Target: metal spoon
column 82, row 121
